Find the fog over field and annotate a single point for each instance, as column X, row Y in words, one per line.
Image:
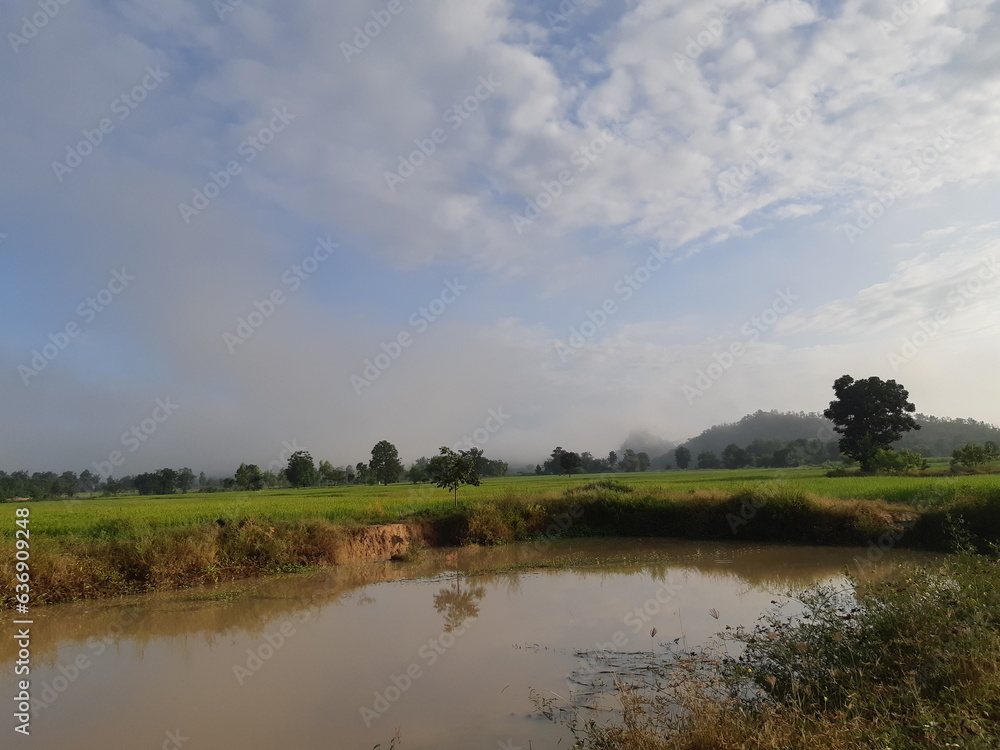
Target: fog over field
column 231, row 227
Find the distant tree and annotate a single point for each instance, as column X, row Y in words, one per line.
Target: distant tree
column 418, row 470
column 68, row 484
column 899, row 462
column 538, row 469
column 301, row 471
column 450, row 470
column 642, row 461
column 185, row 478
column 629, row 461
column 385, row 463
column 270, row 479
column 88, row 481
column 554, row 463
column 682, row 457
column 870, row 414
column 364, row 474
column 734, row 457
column 570, row 462
column 249, row 477
column 708, row 460
column 202, row 479
column 972, row 455
column 156, row 483
column 330, row 474
column 168, row 481
column 612, row 459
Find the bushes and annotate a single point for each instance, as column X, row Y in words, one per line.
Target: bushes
column 912, row 661
column 898, row 462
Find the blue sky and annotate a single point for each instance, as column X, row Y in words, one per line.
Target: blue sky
column 827, row 169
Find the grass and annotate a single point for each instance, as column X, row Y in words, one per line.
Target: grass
column 123, row 517
column 911, row 661
column 111, row 546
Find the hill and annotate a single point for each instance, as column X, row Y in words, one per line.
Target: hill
column 937, row 436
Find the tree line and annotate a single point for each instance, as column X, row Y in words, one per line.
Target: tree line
column 871, row 416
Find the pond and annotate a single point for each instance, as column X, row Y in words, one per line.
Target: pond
column 443, row 650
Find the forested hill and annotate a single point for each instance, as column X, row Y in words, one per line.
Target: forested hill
column 936, row 437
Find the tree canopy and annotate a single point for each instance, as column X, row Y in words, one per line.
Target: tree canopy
column 385, row 463
column 870, row 414
column 450, row 470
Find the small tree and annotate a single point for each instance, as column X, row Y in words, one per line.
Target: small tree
column 901, row 462
column 450, row 470
column 871, row 414
column 301, row 471
column 682, row 457
column 972, row 455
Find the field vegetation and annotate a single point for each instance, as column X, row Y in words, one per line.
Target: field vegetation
column 82, row 548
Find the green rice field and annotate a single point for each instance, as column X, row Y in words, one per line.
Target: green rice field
column 118, row 517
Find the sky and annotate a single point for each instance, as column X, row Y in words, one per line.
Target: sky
column 232, row 229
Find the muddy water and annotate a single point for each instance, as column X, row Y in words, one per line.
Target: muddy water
column 343, row 658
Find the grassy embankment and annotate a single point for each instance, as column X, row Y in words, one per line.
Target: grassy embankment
column 112, row 546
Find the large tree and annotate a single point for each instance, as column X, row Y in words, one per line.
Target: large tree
column 871, row 414
column 385, row 463
column 301, row 471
